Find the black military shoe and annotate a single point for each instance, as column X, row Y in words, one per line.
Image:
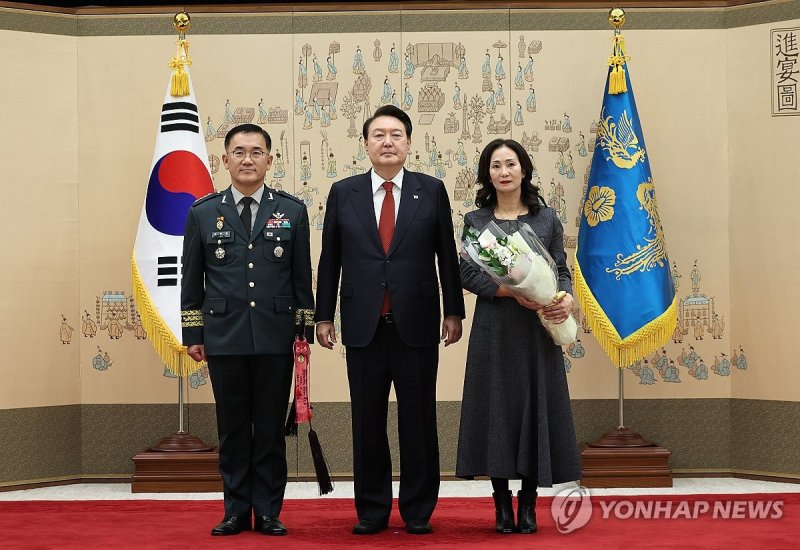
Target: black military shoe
column 270, row 525
column 231, row 525
column 369, row 526
column 418, row 527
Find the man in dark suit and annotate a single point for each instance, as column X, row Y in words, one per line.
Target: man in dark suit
column 384, row 233
column 246, row 270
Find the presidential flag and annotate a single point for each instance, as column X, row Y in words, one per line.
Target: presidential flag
column 622, row 276
column 179, row 175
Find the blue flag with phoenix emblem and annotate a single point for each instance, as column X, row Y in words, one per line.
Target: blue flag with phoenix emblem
column 622, row 276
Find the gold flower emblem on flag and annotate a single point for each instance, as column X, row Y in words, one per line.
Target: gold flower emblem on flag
column 599, row 206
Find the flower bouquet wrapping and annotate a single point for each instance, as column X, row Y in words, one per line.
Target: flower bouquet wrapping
column 521, row 262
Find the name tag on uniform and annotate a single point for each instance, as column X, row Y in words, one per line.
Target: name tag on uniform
column 221, row 235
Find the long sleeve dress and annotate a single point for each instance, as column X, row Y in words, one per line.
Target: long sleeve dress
column 516, row 419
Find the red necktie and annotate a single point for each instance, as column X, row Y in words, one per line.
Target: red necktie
column 386, row 231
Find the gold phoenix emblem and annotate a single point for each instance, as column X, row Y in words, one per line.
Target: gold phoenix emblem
column 654, row 252
column 620, row 141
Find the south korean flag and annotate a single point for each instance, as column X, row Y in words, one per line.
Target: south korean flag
column 179, row 175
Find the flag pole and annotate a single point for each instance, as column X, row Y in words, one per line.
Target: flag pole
column 180, row 406
column 180, row 87
column 620, row 457
column 621, row 400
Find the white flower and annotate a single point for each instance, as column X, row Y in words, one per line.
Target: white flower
column 516, row 241
column 504, row 255
column 487, row 240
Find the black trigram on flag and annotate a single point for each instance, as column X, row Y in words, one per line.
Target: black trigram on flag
column 180, row 115
column 168, row 271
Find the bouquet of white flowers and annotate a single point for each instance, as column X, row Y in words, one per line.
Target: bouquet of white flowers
column 521, row 262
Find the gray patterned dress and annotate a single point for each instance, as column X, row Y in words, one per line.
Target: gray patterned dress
column 516, row 419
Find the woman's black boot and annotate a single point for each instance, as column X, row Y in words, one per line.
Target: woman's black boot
column 504, row 512
column 526, row 511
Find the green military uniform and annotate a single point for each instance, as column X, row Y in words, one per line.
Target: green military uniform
column 239, row 295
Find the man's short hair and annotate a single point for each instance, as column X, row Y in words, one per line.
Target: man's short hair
column 392, row 111
column 248, row 129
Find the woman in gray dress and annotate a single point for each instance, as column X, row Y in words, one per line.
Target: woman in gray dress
column 516, row 420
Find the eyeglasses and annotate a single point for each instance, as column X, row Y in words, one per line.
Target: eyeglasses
column 256, row 155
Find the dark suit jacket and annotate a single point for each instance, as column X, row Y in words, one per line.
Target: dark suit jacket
column 244, row 302
column 351, row 247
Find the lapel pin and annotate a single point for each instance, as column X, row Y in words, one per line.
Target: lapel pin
column 416, row 197
column 220, row 221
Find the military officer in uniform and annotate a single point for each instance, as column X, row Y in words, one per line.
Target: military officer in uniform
column 246, row 271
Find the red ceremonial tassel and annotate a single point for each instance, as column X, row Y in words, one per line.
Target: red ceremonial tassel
column 301, row 403
column 301, row 410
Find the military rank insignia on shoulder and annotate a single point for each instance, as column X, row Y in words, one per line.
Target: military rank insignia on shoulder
column 204, row 198
column 289, row 196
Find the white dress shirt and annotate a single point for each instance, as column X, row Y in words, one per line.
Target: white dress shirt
column 237, row 198
column 378, row 192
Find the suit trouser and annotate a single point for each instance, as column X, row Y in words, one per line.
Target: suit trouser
column 371, row 370
column 252, row 395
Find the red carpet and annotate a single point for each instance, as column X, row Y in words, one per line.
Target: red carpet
column 458, row 523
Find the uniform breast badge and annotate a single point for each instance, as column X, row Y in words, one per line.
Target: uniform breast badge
column 220, row 221
column 278, row 249
column 278, row 221
column 219, row 252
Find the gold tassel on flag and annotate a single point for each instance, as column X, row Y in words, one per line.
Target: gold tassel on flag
column 168, row 347
column 616, row 80
column 180, row 80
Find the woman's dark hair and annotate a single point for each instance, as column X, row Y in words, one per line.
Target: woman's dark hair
column 486, row 195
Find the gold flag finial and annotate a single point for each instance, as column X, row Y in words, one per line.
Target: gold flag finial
column 182, row 23
column 616, row 78
column 179, row 86
column 616, row 17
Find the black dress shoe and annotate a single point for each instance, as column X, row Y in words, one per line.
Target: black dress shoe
column 231, row 525
column 270, row 525
column 418, row 527
column 369, row 526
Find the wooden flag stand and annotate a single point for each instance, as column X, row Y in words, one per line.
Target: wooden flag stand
column 622, row 458
column 180, row 463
